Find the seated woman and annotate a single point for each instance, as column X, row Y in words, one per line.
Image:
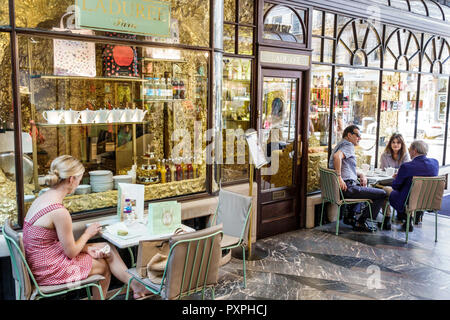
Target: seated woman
column 53, row 254
column 394, row 155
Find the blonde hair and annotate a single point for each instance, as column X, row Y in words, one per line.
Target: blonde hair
column 62, row 168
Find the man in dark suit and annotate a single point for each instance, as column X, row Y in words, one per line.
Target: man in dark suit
column 420, row 165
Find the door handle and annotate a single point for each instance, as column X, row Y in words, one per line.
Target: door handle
column 299, row 149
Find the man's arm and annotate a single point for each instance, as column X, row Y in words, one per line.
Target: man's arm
column 400, row 178
column 337, row 162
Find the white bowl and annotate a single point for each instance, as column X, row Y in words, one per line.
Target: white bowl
column 122, row 177
column 83, row 189
column 100, row 172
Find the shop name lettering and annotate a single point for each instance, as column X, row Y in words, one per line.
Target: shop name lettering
column 123, row 9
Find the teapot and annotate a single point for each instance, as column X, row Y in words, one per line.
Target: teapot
column 139, row 115
column 71, row 116
column 87, row 116
column 102, row 115
column 115, row 115
column 53, row 116
column 128, row 115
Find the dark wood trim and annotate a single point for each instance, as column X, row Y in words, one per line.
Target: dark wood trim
column 446, row 122
column 17, row 115
column 211, row 81
column 379, row 99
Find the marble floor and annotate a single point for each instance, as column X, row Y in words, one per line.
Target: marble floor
column 315, row 264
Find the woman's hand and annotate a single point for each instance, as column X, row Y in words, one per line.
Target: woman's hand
column 96, row 252
column 93, row 229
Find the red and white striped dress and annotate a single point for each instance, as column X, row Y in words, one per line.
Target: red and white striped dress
column 45, row 254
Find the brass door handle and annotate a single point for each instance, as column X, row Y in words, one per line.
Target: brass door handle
column 299, row 149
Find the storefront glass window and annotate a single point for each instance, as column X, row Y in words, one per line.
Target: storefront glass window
column 317, row 23
column 319, row 122
column 189, row 19
column 8, row 203
column 246, row 40
column 398, row 107
column 229, row 10
column 432, row 114
column 229, row 38
column 236, row 106
column 151, row 112
column 328, row 50
column 356, row 103
column 329, row 24
column 283, row 24
column 403, row 50
column 4, row 12
column 316, row 46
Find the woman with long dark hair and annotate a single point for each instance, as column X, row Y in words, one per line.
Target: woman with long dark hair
column 395, row 153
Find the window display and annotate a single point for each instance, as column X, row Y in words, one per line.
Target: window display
column 138, row 116
column 236, row 108
column 356, row 103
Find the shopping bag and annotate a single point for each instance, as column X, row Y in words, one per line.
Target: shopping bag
column 147, row 250
column 164, row 217
column 73, row 58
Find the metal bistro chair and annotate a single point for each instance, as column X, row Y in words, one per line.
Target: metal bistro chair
column 332, row 192
column 233, row 211
column 192, row 265
column 425, row 194
column 26, row 285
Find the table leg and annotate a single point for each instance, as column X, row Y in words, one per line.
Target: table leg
column 133, row 263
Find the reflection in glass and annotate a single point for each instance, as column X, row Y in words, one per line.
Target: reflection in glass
column 400, row 4
column 229, row 38
column 317, row 23
column 245, row 40
column 246, row 9
column 283, row 24
column 229, row 10
column 4, row 14
column 432, row 113
column 316, row 46
column 398, row 107
column 356, row 103
column 236, row 117
column 278, row 131
column 318, row 126
column 418, row 7
column 328, row 50
column 329, row 24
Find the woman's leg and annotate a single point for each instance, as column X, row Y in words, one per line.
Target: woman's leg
column 119, row 270
column 100, row 267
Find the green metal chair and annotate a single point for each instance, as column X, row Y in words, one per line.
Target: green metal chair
column 233, row 211
column 192, row 265
column 425, row 194
column 332, row 192
column 26, row 285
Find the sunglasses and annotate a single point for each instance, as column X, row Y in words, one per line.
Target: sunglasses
column 357, row 134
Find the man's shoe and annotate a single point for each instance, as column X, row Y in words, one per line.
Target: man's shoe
column 418, row 217
column 386, row 224
column 411, row 228
column 365, row 227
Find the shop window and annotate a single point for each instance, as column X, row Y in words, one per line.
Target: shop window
column 402, row 50
column 280, row 24
column 229, row 10
column 246, row 9
column 319, row 122
column 4, row 12
column 432, row 114
column 329, row 24
column 245, row 41
column 398, row 107
column 358, row 42
column 317, row 23
column 189, row 19
column 141, row 107
column 316, row 47
column 8, row 203
column 236, row 107
column 240, row 29
column 229, row 41
column 356, row 92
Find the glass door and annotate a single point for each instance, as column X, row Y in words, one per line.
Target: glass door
column 279, row 137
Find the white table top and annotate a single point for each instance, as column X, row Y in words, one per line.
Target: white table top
column 137, row 232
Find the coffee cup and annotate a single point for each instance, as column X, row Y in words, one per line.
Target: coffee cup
column 390, row 171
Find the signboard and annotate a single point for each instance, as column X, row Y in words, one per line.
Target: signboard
column 144, row 17
column 285, row 58
column 255, row 149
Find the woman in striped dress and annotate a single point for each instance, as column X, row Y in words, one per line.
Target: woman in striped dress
column 53, row 254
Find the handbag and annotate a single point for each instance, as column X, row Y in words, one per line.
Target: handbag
column 152, row 258
column 73, row 58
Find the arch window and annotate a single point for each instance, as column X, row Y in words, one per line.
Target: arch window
column 402, row 51
column 436, row 56
column 358, row 44
column 434, row 10
column 282, row 23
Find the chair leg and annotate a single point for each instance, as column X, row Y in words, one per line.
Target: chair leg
column 243, row 262
column 407, row 225
column 128, row 288
column 370, row 213
column 435, row 226
column 337, row 221
column 88, row 291
column 321, row 214
column 213, row 293
column 384, row 214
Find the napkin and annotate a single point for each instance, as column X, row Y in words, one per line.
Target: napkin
column 120, row 226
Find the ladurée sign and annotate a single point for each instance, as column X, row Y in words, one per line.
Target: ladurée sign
column 145, row 17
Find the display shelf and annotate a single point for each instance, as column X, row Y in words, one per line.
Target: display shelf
column 158, row 100
column 88, row 78
column 164, row 60
column 237, row 80
column 86, row 124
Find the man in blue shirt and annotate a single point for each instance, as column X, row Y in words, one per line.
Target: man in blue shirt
column 343, row 161
column 420, row 165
